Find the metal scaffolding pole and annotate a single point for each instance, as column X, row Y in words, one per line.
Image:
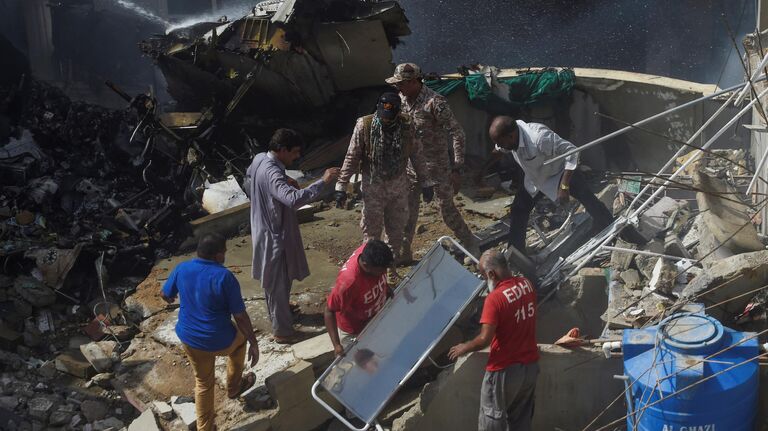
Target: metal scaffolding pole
column 703, row 147
column 647, row 120
column 682, row 149
column 621, row 222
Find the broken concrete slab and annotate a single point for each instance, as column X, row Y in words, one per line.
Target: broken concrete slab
column 654, row 219
column 165, row 331
column 631, row 278
column 40, row 408
column 185, row 411
column 317, row 350
column 145, row 422
column 646, row 263
column 163, row 409
column 726, row 280
column 673, row 246
column 728, row 221
column 620, row 260
column 663, row 277
column 101, row 354
column 74, row 363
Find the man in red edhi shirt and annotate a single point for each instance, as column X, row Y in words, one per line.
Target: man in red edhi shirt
column 509, row 327
column 360, row 292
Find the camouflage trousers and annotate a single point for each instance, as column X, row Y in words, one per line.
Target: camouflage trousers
column 444, row 200
column 385, row 208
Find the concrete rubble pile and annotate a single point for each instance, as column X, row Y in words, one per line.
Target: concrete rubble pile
column 708, row 251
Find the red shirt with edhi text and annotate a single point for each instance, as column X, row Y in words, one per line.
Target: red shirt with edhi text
column 512, row 308
column 357, row 296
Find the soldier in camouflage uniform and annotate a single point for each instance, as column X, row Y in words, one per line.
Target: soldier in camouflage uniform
column 382, row 144
column 433, row 121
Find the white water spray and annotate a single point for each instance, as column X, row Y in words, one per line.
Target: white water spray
column 133, row 7
column 234, row 11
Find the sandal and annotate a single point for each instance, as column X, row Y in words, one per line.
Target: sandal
column 246, row 382
column 287, row 339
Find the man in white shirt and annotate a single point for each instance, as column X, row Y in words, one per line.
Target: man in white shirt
column 532, row 144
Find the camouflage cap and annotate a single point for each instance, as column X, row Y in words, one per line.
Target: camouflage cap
column 405, row 72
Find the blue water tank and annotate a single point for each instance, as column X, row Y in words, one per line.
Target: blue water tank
column 661, row 360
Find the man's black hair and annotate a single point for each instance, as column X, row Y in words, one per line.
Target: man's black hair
column 377, row 254
column 506, row 125
column 210, row 245
column 287, row 139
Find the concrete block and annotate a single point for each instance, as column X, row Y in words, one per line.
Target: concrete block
column 185, row 412
column 654, row 219
column 101, row 354
column 735, row 276
column 316, row 350
column 663, row 276
column 727, row 220
column 673, row 246
column 145, row 422
column 163, row 409
column 631, row 278
column 40, row 408
column 291, row 387
column 74, row 363
column 645, row 263
column 620, row 260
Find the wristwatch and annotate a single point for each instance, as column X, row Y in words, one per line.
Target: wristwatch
column 564, row 186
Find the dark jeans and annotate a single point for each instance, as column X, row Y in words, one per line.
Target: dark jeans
column 524, row 203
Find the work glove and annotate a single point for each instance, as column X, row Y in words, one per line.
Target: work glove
column 428, row 193
column 340, row 197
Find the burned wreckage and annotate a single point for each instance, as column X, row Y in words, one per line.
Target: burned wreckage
column 91, row 197
column 84, row 186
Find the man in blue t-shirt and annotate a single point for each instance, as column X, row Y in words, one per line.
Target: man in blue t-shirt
column 209, row 297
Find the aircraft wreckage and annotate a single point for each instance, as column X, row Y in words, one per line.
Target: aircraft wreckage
column 284, row 57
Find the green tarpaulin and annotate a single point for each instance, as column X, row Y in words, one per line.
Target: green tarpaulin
column 524, row 90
